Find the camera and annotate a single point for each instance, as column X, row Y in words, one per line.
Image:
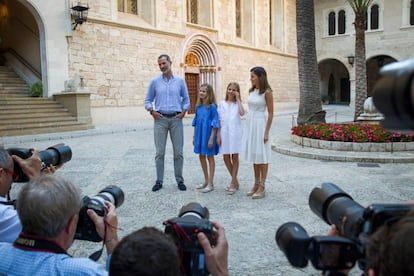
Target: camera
column 192, row 219
column 85, row 229
column 354, row 223
column 394, row 95
column 54, row 155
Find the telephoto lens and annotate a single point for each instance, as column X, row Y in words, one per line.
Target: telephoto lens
column 335, row 206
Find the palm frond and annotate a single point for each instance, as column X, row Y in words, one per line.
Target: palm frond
column 360, row 6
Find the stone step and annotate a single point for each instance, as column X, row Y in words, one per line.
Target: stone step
column 40, row 128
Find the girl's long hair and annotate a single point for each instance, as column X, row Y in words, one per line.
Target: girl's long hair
column 210, row 99
column 264, row 85
column 230, row 84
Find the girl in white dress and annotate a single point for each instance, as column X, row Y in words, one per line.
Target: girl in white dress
column 229, row 133
column 255, row 142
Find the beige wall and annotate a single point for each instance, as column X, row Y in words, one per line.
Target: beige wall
column 116, row 54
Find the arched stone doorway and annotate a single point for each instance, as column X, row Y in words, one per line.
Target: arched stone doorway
column 374, row 65
column 21, row 37
column 334, row 81
column 200, row 66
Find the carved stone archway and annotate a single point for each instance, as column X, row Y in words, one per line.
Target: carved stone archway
column 200, row 66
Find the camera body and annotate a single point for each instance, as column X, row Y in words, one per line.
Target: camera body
column 354, row 223
column 54, row 155
column 192, row 219
column 85, row 229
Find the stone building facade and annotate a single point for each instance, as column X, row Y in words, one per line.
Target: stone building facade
column 389, row 37
column 115, row 52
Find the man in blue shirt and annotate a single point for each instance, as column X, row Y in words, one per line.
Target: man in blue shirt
column 10, row 226
column 167, row 101
column 48, row 207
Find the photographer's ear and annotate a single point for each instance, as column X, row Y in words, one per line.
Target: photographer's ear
column 371, row 272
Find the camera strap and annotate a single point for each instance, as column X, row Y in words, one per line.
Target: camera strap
column 35, row 243
column 7, row 202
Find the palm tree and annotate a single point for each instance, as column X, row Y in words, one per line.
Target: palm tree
column 310, row 106
column 360, row 8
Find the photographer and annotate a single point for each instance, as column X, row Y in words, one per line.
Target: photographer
column 48, row 208
column 10, row 225
column 148, row 251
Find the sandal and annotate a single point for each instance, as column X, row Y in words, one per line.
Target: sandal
column 231, row 191
column 207, row 189
column 201, row 186
column 254, row 189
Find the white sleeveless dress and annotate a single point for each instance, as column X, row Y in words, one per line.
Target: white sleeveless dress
column 254, row 149
column 230, row 127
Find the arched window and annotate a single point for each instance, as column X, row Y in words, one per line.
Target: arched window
column 412, row 13
column 341, row 22
column 374, row 17
column 331, row 23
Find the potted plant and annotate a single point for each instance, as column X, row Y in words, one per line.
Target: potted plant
column 325, row 99
column 36, row 90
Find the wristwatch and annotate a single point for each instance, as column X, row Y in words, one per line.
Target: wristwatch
column 151, row 111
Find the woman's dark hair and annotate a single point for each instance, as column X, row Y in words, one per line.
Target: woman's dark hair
column 264, row 85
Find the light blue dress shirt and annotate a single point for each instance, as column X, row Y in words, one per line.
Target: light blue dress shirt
column 168, row 95
column 10, row 226
column 15, row 261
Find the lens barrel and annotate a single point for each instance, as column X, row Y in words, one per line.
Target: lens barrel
column 335, row 206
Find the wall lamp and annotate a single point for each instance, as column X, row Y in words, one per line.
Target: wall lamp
column 351, row 60
column 79, row 14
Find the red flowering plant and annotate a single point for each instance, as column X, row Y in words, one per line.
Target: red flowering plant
column 352, row 132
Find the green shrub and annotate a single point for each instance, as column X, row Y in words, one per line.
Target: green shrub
column 37, row 89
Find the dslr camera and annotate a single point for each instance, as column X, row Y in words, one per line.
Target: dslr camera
column 354, row 223
column 192, row 219
column 54, row 155
column 85, row 229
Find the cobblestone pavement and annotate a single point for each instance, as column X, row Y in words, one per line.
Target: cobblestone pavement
column 123, row 154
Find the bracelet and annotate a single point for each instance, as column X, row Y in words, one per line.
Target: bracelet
column 109, row 241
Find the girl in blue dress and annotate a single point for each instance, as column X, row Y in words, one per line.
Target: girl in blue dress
column 205, row 125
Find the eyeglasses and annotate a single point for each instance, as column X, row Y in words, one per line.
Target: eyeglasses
column 12, row 173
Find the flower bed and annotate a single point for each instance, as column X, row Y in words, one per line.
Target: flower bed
column 352, row 132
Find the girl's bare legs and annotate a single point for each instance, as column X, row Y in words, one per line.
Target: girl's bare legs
column 235, row 171
column 257, row 180
column 229, row 166
column 203, row 163
column 212, row 168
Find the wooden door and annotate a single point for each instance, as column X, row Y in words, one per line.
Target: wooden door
column 192, row 85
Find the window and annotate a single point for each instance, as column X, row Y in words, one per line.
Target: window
column 128, row 6
column 244, row 19
column 412, row 13
column 238, row 19
column 276, row 23
column 374, row 17
column 331, row 23
column 192, row 11
column 200, row 12
column 341, row 22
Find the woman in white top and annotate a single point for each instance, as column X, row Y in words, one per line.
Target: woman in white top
column 230, row 132
column 255, row 142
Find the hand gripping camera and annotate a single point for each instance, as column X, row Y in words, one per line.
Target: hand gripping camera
column 54, row 155
column 192, row 219
column 354, row 223
column 86, row 229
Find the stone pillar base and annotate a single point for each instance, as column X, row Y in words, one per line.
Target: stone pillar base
column 78, row 103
